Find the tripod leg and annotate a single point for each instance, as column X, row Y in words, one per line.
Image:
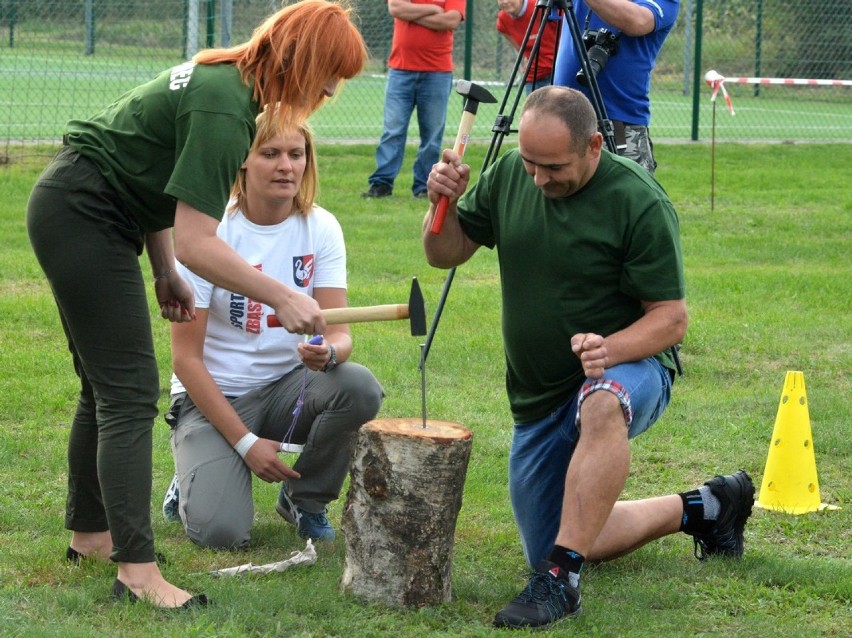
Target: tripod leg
column 445, row 291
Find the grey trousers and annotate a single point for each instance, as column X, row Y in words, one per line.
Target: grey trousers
column 216, row 505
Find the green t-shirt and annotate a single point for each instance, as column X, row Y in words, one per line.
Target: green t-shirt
column 577, row 264
column 183, row 135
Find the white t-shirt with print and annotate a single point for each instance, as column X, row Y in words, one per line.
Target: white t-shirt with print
column 304, row 252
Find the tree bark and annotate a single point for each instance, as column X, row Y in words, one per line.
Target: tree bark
column 405, row 493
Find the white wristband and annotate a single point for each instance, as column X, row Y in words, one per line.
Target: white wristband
column 243, row 445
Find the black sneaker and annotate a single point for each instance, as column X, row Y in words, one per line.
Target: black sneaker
column 378, row 190
column 547, row 598
column 736, row 497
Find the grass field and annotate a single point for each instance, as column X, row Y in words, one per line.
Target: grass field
column 768, row 274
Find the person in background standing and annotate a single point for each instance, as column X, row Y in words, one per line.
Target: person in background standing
column 420, row 76
column 513, row 19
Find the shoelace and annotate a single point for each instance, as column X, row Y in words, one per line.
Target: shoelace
column 540, row 588
column 699, row 550
column 318, row 518
column 707, row 543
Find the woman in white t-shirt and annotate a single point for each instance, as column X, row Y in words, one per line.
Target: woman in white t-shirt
column 243, row 392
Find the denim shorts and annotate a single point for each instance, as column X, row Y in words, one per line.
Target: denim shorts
column 541, row 450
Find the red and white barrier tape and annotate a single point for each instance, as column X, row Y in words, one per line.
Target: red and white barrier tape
column 717, row 83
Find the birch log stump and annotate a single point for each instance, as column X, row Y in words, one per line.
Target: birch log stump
column 399, row 520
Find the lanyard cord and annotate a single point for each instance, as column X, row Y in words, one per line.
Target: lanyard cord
column 286, row 446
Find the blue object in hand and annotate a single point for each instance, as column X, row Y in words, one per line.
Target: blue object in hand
column 315, row 340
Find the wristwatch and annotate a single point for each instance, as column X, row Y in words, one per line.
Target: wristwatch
column 332, row 359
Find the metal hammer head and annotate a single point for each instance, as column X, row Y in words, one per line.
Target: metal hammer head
column 416, row 309
column 473, row 94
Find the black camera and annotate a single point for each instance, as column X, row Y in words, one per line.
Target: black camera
column 601, row 45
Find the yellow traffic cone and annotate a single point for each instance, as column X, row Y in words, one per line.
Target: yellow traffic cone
column 790, row 479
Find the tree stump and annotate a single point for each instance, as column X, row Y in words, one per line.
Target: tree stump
column 405, row 493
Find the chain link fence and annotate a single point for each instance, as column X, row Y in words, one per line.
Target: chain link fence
column 63, row 59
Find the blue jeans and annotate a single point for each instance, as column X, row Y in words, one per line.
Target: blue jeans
column 428, row 92
column 529, row 87
column 541, row 451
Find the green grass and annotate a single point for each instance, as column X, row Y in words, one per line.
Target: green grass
column 768, row 278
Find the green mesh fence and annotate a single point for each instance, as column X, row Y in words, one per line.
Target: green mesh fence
column 63, row 59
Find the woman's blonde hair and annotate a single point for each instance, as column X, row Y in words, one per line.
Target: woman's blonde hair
column 294, row 55
column 268, row 127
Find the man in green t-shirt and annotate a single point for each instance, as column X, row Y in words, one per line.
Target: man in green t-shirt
column 593, row 297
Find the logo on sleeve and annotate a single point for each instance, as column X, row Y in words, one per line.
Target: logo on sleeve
column 179, row 76
column 303, row 270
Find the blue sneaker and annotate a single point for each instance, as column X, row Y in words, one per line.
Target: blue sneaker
column 171, row 502
column 309, row 524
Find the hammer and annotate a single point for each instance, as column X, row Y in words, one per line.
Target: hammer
column 414, row 311
column 473, row 94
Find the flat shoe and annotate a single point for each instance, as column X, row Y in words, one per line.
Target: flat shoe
column 73, row 556
column 121, row 591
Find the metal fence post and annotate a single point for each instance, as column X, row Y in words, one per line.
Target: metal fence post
column 687, row 45
column 696, row 67
column 90, row 27
column 13, row 18
column 211, row 23
column 468, row 39
column 227, row 23
column 191, row 28
column 758, row 36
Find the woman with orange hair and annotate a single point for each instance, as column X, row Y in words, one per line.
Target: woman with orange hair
column 153, row 171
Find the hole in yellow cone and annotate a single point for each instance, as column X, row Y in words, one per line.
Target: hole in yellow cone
column 807, row 443
column 802, row 400
column 811, row 488
column 777, row 441
column 784, row 399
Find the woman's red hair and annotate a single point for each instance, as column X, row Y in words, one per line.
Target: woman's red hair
column 294, row 55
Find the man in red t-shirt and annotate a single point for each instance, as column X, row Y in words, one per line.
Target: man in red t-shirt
column 420, row 76
column 512, row 21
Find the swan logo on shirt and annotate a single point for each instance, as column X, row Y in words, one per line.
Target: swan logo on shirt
column 303, row 270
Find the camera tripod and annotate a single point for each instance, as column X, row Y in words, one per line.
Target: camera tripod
column 545, row 10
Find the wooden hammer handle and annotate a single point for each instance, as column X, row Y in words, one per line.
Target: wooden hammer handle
column 462, row 139
column 388, row 312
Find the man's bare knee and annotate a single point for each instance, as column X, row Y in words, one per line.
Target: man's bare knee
column 601, row 410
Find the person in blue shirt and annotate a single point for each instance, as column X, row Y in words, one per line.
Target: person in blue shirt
column 635, row 31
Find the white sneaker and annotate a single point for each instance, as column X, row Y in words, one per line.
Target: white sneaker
column 171, row 502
